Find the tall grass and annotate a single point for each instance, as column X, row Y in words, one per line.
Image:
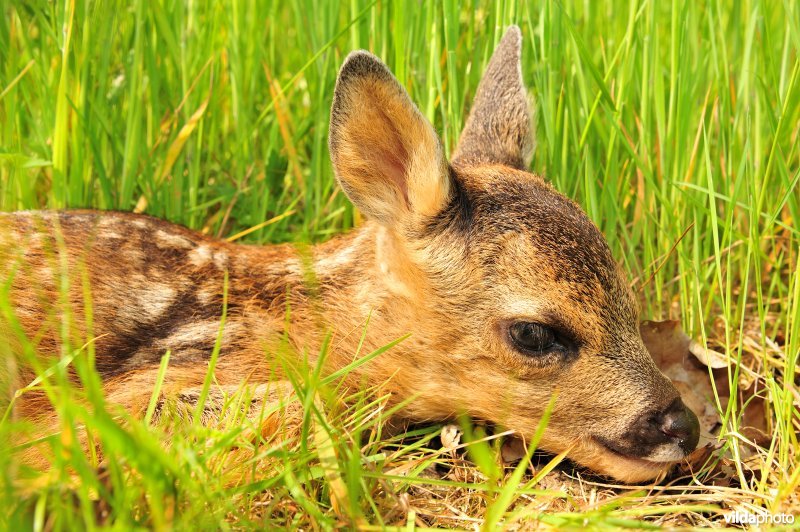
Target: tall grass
column 674, row 124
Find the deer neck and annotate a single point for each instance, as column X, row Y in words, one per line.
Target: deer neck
column 341, row 288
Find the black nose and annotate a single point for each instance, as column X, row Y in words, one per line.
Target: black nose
column 678, row 424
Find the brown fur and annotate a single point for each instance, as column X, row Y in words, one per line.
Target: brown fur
column 452, row 253
column 500, row 133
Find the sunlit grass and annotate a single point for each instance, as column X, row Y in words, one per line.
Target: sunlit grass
column 675, row 125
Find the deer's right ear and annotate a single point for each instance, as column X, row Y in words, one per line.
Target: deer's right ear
column 387, row 157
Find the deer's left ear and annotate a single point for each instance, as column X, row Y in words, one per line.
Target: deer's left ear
column 499, row 128
column 387, row 157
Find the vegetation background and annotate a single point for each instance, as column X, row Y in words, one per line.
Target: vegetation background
column 674, row 124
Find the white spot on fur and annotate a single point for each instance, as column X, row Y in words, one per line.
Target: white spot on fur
column 365, row 295
column 221, row 260
column 341, row 258
column 200, row 256
column 106, row 226
column 157, row 299
column 147, row 299
column 28, row 240
column 168, row 240
column 332, row 262
column 205, row 296
column 106, row 222
column 396, row 286
column 196, row 332
column 292, row 266
column 35, row 215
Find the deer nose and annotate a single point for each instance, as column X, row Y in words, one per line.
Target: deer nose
column 678, row 424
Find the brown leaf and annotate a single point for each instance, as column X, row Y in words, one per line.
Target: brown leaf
column 708, row 357
column 691, row 367
column 665, row 341
column 754, row 414
column 757, row 436
column 669, row 346
column 697, row 459
column 512, row 450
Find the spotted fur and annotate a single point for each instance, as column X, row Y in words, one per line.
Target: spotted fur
column 452, row 252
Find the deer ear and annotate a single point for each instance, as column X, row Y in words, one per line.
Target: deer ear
column 387, row 157
column 499, row 128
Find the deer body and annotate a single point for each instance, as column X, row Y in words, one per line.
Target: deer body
column 160, row 287
column 509, row 291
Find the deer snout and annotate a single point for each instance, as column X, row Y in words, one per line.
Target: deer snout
column 676, row 426
column 680, row 424
column 664, row 435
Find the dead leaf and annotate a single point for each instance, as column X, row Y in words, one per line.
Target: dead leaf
column 757, row 436
column 665, row 341
column 708, row 357
column 697, row 459
column 754, row 414
column 670, row 348
column 450, row 436
column 692, row 376
column 512, row 450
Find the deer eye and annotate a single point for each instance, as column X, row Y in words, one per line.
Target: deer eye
column 533, row 338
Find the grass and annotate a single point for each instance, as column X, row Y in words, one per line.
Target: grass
column 674, row 124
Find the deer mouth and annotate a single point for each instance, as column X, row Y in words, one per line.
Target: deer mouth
column 627, row 455
column 604, row 457
column 615, row 450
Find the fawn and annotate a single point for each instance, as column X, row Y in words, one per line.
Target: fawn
column 509, row 290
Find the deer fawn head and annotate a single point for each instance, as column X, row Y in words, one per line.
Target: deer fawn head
column 510, row 290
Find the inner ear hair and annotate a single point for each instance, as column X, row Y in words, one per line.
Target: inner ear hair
column 387, row 157
column 499, row 129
